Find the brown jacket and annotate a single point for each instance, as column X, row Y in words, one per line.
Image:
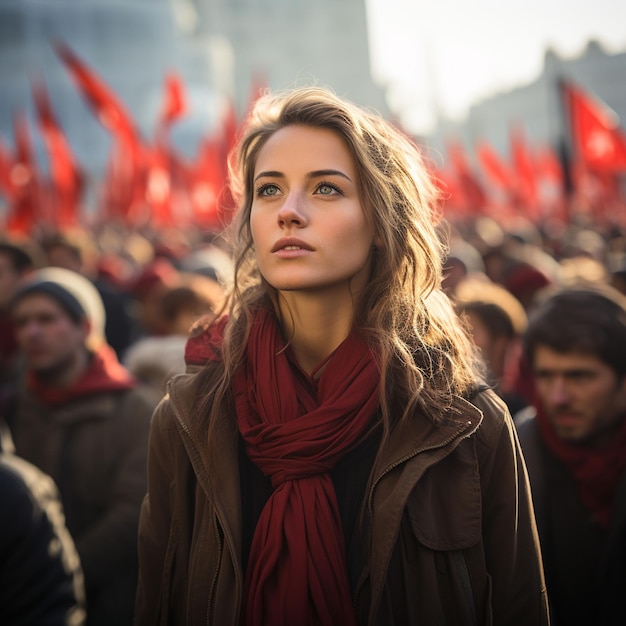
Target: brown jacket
column 95, row 448
column 452, row 529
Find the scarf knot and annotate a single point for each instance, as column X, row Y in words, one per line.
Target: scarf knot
column 297, row 570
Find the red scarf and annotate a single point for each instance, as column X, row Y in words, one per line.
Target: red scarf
column 205, row 342
column 596, row 471
column 104, row 373
column 297, row 571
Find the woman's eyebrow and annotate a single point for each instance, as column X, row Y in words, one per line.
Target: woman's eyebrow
column 270, row 174
column 321, row 173
column 314, row 174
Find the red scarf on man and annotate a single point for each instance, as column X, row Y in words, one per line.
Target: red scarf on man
column 104, row 373
column 297, row 570
column 596, row 471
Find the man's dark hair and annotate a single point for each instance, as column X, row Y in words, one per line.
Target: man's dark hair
column 20, row 258
column 61, row 240
column 588, row 320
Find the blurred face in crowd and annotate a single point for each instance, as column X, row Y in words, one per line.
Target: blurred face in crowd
column 583, row 397
column 492, row 347
column 9, row 279
column 61, row 256
column 50, row 340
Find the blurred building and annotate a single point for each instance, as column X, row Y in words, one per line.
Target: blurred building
column 131, row 44
column 283, row 43
column 218, row 47
column 536, row 107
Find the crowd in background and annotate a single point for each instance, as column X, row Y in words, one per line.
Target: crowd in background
column 156, row 287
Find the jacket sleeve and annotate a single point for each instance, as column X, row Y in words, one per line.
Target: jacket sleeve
column 105, row 547
column 512, row 550
column 40, row 577
column 155, row 522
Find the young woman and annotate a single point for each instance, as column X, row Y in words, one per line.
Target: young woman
column 335, row 459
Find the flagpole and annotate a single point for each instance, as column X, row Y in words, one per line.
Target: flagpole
column 564, row 147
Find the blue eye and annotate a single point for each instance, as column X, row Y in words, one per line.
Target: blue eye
column 327, row 189
column 268, row 189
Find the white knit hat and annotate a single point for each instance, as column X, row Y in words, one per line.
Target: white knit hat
column 74, row 292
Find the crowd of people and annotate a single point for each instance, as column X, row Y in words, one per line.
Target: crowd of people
column 335, row 412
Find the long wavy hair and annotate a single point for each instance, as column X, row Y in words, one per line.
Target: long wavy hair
column 424, row 354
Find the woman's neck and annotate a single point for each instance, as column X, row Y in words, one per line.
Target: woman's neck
column 314, row 326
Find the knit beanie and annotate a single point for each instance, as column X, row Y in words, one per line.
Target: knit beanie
column 75, row 293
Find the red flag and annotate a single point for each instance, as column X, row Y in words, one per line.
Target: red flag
column 494, row 167
column 110, row 111
column 455, row 205
column 551, row 184
column 598, row 141
column 524, row 166
column 159, row 185
column 128, row 157
column 65, row 174
column 175, row 100
column 26, row 206
column 123, row 190
column 6, row 164
column 160, row 192
column 207, row 179
column 471, row 191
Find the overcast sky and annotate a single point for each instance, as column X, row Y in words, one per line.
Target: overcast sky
column 446, row 55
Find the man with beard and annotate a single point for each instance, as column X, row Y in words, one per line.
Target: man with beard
column 80, row 417
column 575, row 450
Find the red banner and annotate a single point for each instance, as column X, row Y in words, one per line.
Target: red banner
column 598, row 140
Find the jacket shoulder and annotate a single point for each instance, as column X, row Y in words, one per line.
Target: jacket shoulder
column 495, row 412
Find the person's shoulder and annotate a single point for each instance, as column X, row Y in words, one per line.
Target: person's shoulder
column 23, row 488
column 526, row 425
column 490, row 404
column 525, row 418
column 185, row 390
column 178, row 405
column 495, row 414
column 140, row 399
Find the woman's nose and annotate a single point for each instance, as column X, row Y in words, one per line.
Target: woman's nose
column 292, row 212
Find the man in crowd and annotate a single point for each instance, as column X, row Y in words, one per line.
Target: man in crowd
column 74, row 253
column 82, row 419
column 16, row 261
column 496, row 322
column 575, row 450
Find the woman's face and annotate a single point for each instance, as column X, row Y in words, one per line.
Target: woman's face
column 308, row 226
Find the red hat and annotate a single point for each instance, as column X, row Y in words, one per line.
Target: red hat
column 526, row 279
column 158, row 273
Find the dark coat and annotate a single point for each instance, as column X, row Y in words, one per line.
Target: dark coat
column 41, row 581
column 95, row 449
column 585, row 566
column 452, row 527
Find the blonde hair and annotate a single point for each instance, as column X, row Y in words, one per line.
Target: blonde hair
column 424, row 355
